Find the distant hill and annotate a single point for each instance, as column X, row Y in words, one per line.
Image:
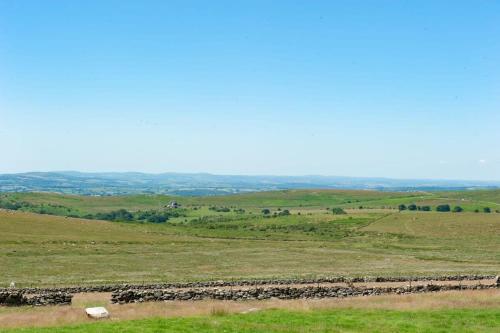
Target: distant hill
column 113, row 183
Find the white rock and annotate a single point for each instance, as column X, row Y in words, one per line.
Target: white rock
column 97, row 312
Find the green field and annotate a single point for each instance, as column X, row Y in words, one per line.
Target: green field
column 203, row 243
column 469, row 200
column 347, row 320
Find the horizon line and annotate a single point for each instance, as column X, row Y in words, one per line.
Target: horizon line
column 254, row 175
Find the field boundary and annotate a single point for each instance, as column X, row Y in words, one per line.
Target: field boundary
column 256, row 282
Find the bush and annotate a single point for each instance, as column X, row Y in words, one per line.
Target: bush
column 10, row 205
column 266, row 211
column 338, row 211
column 425, row 208
column 402, row 207
column 284, row 213
column 412, row 207
column 487, row 209
column 157, row 219
column 457, row 209
column 116, row 215
column 443, row 208
column 220, row 209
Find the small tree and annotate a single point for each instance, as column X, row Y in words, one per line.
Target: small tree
column 285, row 212
column 266, row 211
column 338, row 211
column 443, row 208
column 487, row 209
column 425, row 208
column 402, row 207
column 457, row 209
column 412, row 207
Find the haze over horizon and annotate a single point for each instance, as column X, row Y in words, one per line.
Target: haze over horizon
column 351, row 88
column 110, row 172
column 184, row 184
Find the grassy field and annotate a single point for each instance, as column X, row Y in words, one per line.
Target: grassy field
column 286, row 198
column 306, row 199
column 315, row 321
column 42, row 249
column 229, row 237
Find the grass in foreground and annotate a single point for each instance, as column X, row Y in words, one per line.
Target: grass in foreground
column 345, row 320
column 63, row 316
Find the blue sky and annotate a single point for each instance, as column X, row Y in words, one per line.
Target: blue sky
column 404, row 89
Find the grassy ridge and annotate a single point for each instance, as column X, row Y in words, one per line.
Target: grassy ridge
column 481, row 196
column 350, row 320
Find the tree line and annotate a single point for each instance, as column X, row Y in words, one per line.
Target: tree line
column 123, row 215
column 441, row 208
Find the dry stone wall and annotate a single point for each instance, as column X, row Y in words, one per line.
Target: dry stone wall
column 241, row 283
column 249, row 290
column 18, row 298
column 137, row 296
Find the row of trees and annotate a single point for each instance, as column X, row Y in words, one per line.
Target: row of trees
column 123, row 215
column 440, row 208
column 267, row 212
column 224, row 209
column 415, row 207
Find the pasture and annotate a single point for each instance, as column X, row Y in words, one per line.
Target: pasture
column 203, row 243
column 58, row 240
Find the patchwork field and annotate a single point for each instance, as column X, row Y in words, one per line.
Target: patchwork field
column 300, row 199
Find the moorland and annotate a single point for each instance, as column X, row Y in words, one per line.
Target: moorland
column 50, row 239
column 54, row 239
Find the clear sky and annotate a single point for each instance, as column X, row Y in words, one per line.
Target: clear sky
column 404, row 89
